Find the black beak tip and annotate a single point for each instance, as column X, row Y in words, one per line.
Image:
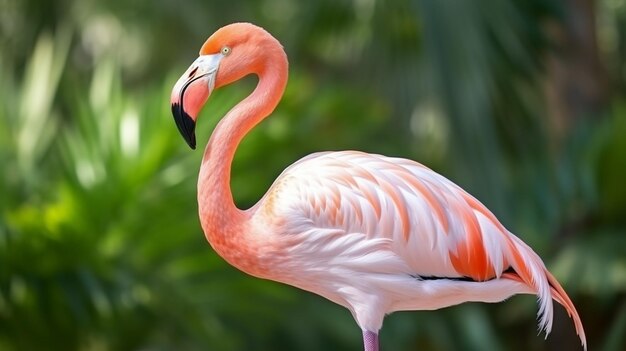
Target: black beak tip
column 186, row 125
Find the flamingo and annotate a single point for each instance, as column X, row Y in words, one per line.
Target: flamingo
column 374, row 234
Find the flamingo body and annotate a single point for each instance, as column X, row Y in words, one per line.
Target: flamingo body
column 372, row 233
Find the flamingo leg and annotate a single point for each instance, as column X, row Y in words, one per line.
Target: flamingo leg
column 370, row 340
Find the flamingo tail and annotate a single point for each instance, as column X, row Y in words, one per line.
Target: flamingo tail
column 530, row 270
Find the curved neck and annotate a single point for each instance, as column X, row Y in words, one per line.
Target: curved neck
column 215, row 199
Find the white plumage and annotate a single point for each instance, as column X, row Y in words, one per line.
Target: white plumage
column 347, row 242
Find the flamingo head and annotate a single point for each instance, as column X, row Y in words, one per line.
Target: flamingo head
column 231, row 53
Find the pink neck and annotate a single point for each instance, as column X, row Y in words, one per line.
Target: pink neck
column 215, row 200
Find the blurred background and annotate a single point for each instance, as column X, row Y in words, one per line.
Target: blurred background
column 522, row 103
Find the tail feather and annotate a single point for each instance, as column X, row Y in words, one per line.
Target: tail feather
column 530, row 270
column 559, row 294
column 469, row 260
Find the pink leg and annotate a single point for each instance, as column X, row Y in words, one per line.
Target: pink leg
column 370, row 340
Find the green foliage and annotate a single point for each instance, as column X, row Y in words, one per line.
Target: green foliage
column 100, row 245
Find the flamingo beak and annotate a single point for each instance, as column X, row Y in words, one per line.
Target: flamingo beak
column 191, row 92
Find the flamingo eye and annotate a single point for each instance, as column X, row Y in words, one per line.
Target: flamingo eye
column 226, row 50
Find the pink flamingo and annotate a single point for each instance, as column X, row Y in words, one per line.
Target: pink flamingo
column 371, row 233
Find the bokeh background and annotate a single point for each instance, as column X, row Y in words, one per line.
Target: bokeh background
column 521, row 102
